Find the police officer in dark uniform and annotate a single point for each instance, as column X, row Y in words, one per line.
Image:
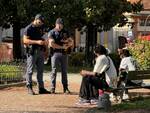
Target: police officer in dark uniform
column 35, row 46
column 59, row 41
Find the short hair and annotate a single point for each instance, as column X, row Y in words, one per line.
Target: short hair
column 99, row 49
column 40, row 17
column 59, row 21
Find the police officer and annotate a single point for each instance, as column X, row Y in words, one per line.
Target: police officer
column 59, row 43
column 34, row 43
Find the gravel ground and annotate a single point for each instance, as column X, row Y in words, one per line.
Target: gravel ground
column 16, row 99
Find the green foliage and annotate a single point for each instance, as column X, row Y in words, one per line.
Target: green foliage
column 139, row 103
column 8, row 71
column 76, row 59
column 140, row 50
column 104, row 13
column 107, row 13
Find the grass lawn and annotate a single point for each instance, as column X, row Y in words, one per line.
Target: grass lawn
column 137, row 103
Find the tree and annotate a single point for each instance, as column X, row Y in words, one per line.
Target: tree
column 102, row 15
column 95, row 14
column 18, row 13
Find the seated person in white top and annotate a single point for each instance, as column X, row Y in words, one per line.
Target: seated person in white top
column 128, row 63
column 91, row 81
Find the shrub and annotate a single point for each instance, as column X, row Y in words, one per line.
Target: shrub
column 8, row 71
column 76, row 59
column 140, row 50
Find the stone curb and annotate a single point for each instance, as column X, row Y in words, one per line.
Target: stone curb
column 19, row 84
column 13, row 85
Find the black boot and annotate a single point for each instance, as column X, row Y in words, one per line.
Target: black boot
column 43, row 91
column 66, row 91
column 30, row 90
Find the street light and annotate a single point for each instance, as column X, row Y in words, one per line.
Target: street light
column 146, row 23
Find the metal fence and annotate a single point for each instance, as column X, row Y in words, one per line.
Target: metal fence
column 12, row 72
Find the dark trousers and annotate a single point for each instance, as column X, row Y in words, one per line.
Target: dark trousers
column 89, row 87
column 37, row 60
column 56, row 59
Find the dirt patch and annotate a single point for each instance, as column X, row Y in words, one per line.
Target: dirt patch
column 16, row 100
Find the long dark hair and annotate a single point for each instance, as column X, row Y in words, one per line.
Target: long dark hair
column 101, row 50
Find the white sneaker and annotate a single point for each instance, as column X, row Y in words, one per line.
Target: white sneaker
column 125, row 97
column 83, row 102
column 94, row 101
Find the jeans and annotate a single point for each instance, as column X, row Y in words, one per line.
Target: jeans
column 35, row 59
column 56, row 59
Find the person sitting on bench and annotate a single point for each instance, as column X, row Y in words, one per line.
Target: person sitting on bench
column 92, row 81
column 128, row 63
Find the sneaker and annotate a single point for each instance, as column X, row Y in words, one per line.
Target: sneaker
column 67, row 91
column 125, row 96
column 43, row 91
column 83, row 102
column 52, row 90
column 94, row 101
column 113, row 97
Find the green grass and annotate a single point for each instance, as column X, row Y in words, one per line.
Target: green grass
column 9, row 71
column 138, row 103
column 125, row 107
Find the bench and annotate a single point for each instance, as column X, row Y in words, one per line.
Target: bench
column 133, row 75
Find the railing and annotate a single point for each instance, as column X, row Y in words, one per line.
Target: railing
column 12, row 72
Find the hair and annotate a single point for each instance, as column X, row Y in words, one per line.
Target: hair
column 99, row 49
column 126, row 53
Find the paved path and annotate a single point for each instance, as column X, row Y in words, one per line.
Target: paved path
column 16, row 99
column 72, row 77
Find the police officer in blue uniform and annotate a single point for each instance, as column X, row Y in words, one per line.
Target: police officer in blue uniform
column 35, row 47
column 59, row 41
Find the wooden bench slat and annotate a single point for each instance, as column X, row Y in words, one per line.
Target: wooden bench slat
column 139, row 75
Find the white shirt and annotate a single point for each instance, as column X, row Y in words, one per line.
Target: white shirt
column 105, row 64
column 129, row 64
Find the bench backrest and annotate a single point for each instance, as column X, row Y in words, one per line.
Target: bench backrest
column 139, row 75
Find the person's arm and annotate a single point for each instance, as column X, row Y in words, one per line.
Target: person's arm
column 123, row 65
column 71, row 42
column 54, row 45
column 28, row 41
column 87, row 73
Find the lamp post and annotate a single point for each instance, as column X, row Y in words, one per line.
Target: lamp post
column 146, row 23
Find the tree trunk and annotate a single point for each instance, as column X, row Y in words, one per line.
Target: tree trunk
column 16, row 41
column 90, row 43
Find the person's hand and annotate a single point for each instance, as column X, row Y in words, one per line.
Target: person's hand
column 46, row 42
column 83, row 72
column 66, row 46
column 40, row 42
